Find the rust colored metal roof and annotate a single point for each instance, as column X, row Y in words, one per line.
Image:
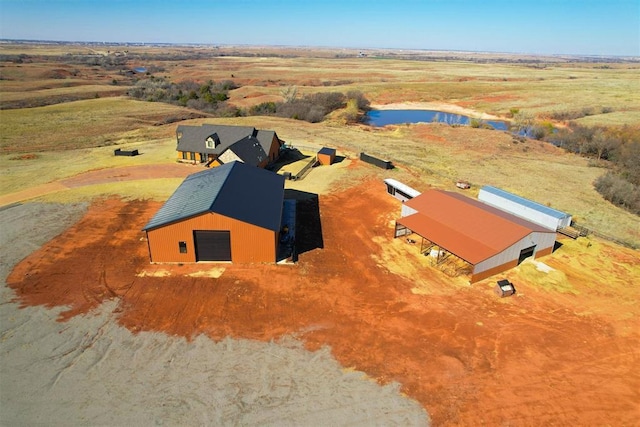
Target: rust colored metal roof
column 465, row 227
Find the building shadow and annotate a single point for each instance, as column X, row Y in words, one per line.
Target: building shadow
column 339, row 159
column 557, row 245
column 308, row 234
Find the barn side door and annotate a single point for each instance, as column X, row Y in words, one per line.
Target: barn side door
column 526, row 253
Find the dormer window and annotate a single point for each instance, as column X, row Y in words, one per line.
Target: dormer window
column 210, row 143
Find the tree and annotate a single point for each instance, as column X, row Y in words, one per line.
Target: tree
column 289, row 93
column 603, row 144
column 523, row 122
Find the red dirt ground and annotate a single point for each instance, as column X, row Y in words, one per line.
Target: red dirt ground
column 469, row 357
column 129, row 173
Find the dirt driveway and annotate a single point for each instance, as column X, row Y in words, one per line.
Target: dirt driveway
column 467, row 356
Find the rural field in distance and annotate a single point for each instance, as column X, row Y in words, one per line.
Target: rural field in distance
column 395, row 338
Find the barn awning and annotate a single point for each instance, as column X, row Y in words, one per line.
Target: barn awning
column 448, row 238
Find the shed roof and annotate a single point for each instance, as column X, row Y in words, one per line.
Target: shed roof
column 327, row 151
column 235, row 190
column 470, row 229
column 554, row 213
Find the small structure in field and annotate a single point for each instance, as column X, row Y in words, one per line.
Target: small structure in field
column 400, row 190
column 121, row 152
column 504, row 288
column 524, row 208
column 326, row 156
column 384, row 164
column 463, row 185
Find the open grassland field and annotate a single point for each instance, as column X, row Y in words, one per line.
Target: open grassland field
column 563, row 351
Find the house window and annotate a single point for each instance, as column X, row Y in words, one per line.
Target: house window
column 192, row 155
column 183, row 247
column 210, row 143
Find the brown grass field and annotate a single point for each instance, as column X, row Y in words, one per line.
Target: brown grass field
column 564, row 350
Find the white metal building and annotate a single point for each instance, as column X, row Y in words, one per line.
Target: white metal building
column 399, row 190
column 524, row 208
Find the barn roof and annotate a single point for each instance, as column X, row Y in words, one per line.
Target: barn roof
column 235, row 190
column 470, row 229
column 554, row 213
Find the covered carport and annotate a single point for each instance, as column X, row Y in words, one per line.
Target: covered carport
column 435, row 241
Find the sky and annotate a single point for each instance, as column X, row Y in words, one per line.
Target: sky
column 580, row 27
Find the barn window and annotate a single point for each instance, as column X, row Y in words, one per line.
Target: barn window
column 183, row 247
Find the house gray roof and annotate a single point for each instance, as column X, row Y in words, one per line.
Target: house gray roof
column 193, row 138
column 266, row 138
column 249, row 150
column 235, row 190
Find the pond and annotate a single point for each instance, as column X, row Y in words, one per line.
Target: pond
column 394, row 117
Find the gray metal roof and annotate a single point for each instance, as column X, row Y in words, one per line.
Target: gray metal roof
column 266, row 139
column 235, row 190
column 525, row 202
column 327, row 151
column 193, row 138
column 249, row 150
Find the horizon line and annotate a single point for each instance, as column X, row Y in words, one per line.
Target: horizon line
column 138, row 43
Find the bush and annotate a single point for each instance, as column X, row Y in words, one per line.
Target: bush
column 264, row 109
column 619, row 192
column 362, row 103
column 315, row 107
column 205, row 97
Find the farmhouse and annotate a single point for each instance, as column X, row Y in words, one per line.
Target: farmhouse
column 229, row 213
column 215, row 145
column 487, row 240
column 524, row 208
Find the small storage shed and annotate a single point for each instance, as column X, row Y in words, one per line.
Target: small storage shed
column 524, row 208
column 400, row 190
column 326, row 156
column 229, row 213
column 504, row 288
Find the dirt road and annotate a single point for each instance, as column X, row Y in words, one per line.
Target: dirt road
column 468, row 357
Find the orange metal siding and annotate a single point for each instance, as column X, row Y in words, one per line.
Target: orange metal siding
column 249, row 243
column 543, row 252
column 325, row 159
